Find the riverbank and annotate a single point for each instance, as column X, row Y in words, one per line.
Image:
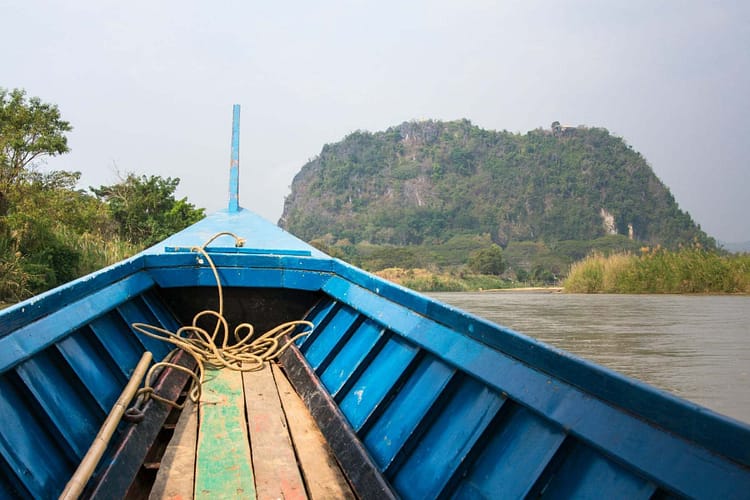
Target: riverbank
column 424, row 280
column 652, row 271
column 527, row 289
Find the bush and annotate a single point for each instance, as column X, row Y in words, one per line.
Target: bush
column 487, row 261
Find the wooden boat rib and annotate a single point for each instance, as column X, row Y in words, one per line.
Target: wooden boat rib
column 417, row 399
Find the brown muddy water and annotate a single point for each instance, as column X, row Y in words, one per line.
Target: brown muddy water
column 697, row 347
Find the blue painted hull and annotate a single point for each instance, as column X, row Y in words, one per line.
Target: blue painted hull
column 442, row 403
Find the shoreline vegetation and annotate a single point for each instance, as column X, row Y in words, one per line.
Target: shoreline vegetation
column 654, row 270
column 424, row 280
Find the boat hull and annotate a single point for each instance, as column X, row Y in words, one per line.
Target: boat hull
column 418, row 399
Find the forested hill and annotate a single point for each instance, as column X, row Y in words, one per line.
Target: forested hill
column 425, row 182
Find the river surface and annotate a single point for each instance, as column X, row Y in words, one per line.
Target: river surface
column 697, row 347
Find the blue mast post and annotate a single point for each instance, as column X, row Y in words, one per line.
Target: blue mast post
column 234, row 164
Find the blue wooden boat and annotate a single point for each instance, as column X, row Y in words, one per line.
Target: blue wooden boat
column 416, row 399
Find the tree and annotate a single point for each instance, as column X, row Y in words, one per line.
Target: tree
column 42, row 231
column 145, row 208
column 522, row 274
column 29, row 131
column 487, row 261
column 542, row 275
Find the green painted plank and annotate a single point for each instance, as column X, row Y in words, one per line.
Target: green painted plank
column 223, row 464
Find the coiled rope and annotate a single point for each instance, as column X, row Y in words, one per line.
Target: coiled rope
column 243, row 355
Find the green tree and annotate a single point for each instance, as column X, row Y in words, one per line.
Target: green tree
column 29, row 131
column 487, row 260
column 522, row 274
column 542, row 275
column 39, row 241
column 54, row 197
column 145, row 208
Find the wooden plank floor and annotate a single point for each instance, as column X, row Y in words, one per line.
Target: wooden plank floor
column 323, row 476
column 179, row 458
column 250, row 437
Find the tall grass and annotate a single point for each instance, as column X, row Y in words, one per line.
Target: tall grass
column 689, row 270
column 22, row 276
column 96, row 251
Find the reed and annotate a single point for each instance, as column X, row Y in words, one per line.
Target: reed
column 688, row 270
column 587, row 275
column 97, row 252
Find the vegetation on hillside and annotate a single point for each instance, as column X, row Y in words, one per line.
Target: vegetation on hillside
column 429, row 181
column 52, row 232
column 407, row 196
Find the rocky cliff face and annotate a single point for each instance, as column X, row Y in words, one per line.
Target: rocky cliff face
column 428, row 181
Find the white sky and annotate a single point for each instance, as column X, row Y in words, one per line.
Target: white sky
column 148, row 85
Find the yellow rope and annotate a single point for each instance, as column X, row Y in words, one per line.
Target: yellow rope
column 243, row 355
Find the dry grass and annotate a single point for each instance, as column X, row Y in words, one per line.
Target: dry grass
column 691, row 270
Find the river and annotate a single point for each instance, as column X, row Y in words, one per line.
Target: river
column 697, row 347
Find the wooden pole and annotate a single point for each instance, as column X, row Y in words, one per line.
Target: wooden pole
column 234, row 164
column 87, row 466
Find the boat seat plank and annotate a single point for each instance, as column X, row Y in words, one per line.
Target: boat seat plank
column 322, row 474
column 223, row 462
column 275, row 466
column 176, row 476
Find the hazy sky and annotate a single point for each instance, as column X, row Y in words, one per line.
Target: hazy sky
column 148, row 86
